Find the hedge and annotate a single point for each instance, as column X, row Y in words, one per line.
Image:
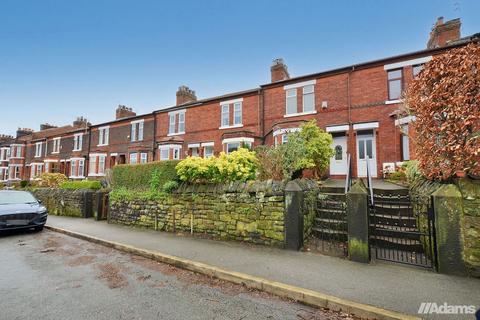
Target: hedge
column 138, row 177
column 86, row 184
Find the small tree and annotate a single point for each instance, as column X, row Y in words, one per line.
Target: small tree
column 445, row 98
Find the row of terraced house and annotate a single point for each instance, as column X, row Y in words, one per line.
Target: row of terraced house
column 360, row 105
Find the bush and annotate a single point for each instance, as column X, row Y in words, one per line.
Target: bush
column 85, row 184
column 240, row 165
column 124, row 194
column 444, row 99
column 24, row 184
column 169, row 186
column 309, row 148
column 52, row 180
column 143, row 176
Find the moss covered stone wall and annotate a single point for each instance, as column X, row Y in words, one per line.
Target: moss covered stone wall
column 470, row 224
column 249, row 212
column 65, row 202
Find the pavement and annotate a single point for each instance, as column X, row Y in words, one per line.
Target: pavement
column 384, row 285
column 53, row 276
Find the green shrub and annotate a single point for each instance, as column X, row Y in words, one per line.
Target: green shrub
column 51, row 180
column 23, row 184
column 85, row 184
column 144, row 176
column 309, row 148
column 169, row 186
column 240, row 165
column 124, row 194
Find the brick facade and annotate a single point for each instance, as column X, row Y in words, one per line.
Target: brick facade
column 353, row 103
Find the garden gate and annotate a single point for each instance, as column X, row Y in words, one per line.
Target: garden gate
column 402, row 229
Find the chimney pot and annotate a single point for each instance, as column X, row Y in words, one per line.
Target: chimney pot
column 279, row 70
column 185, row 95
column 444, row 33
column 124, row 112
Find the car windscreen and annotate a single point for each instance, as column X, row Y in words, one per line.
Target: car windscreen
column 16, row 198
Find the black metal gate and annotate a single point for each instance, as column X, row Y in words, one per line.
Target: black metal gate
column 402, row 229
column 330, row 225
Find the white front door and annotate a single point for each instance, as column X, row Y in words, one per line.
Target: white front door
column 338, row 163
column 366, row 152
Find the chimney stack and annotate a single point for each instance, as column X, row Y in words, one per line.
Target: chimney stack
column 81, row 122
column 5, row 138
column 124, row 112
column 185, row 95
column 444, row 33
column 45, row 126
column 23, row 132
column 279, row 70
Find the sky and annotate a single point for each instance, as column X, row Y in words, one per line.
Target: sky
column 62, row 59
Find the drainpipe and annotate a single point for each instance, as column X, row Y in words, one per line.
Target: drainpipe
column 261, row 115
column 154, row 149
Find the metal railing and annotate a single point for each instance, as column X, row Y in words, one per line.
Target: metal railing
column 348, row 180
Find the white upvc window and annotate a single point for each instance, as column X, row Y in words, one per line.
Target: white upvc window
column 96, row 165
column 181, row 122
column 233, row 144
column 208, row 152
column 19, row 151
column 171, row 123
column 133, row 158
column 77, row 142
column 237, row 113
column 81, row 168
column 56, row 145
column 170, row 149
column 291, row 95
column 136, row 130
column 225, row 115
column 38, row 149
column 226, row 107
column 308, row 98
column 103, row 136
column 36, row 170
column 73, row 168
column 77, row 168
column 176, row 122
column 143, row 157
column 4, row 154
column 14, row 171
column 164, row 154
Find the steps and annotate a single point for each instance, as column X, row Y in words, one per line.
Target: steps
column 330, row 223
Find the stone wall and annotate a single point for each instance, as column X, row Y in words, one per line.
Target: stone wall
column 66, row 202
column 249, row 212
column 470, row 224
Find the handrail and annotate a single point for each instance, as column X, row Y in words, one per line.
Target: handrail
column 369, row 180
column 348, row 180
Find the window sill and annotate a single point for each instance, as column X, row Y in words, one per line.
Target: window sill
column 96, row 174
column 56, row 152
column 76, row 150
column 175, row 134
column 102, row 145
column 231, row 127
column 393, row 101
column 76, row 177
column 299, row 114
column 140, row 140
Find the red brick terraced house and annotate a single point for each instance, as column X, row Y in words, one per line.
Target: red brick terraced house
column 209, row 126
column 360, row 105
column 129, row 139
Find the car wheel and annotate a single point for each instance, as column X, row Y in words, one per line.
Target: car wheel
column 39, row 228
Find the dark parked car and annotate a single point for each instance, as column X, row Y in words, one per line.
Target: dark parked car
column 20, row 210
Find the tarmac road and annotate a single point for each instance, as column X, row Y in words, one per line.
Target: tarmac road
column 48, row 275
